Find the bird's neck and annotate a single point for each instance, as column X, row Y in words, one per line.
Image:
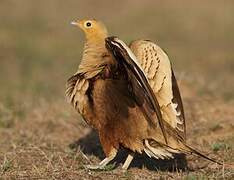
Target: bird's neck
column 97, row 46
column 92, row 61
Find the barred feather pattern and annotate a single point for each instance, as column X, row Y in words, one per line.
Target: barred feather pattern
column 76, row 92
column 157, row 67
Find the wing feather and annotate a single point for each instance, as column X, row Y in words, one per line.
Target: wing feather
column 157, row 68
column 76, row 89
column 124, row 55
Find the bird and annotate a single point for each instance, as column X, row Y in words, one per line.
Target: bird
column 129, row 94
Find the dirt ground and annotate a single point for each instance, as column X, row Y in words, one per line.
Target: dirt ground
column 42, row 137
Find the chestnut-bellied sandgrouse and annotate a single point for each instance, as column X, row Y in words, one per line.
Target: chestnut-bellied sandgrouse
column 129, row 94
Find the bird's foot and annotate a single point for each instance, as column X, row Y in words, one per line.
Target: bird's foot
column 103, row 164
column 127, row 162
column 95, row 167
column 100, row 167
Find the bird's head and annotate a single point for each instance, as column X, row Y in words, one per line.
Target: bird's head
column 95, row 31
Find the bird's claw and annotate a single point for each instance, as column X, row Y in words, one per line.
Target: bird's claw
column 95, row 167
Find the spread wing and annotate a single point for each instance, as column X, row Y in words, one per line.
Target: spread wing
column 157, row 68
column 76, row 89
column 123, row 55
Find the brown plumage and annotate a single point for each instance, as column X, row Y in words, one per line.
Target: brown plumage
column 130, row 96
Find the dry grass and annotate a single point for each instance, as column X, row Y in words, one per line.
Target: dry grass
column 40, row 134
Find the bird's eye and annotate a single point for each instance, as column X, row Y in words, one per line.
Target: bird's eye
column 88, row 24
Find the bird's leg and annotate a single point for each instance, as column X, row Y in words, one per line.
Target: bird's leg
column 103, row 163
column 128, row 161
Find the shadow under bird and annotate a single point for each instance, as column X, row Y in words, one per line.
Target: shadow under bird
column 129, row 94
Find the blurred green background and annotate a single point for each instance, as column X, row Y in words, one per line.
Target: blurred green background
column 39, row 49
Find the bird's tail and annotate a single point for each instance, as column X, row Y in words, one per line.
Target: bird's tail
column 162, row 151
column 194, row 151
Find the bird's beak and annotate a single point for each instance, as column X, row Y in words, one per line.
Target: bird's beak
column 75, row 23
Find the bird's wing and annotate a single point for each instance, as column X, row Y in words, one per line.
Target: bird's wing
column 157, row 68
column 123, row 55
column 76, row 89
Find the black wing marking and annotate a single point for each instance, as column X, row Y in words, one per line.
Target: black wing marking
column 124, row 56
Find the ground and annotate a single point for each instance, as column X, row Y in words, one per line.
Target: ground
column 42, row 137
